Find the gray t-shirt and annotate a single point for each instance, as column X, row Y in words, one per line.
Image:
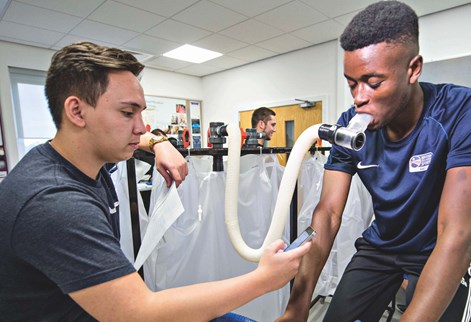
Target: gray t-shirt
column 59, row 233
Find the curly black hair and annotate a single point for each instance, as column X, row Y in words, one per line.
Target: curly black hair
column 384, row 21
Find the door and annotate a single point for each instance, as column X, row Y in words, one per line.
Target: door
column 291, row 121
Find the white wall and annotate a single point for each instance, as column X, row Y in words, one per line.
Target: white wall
column 446, row 34
column 314, row 72
column 309, row 72
column 168, row 84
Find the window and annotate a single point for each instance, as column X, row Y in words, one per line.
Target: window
column 289, row 135
column 33, row 120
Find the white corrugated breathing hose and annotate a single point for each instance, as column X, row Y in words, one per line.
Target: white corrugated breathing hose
column 283, row 201
column 351, row 137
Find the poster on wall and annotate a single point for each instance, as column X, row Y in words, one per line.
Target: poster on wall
column 196, row 141
column 195, row 117
column 166, row 114
column 178, row 118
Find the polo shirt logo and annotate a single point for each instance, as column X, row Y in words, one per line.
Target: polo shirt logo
column 420, row 162
column 114, row 209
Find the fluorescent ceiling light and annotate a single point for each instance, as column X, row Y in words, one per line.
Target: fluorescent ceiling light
column 192, row 54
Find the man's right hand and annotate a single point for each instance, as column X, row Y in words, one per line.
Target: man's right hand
column 276, row 267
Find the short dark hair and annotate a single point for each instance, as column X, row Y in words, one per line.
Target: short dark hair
column 82, row 69
column 384, row 21
column 261, row 113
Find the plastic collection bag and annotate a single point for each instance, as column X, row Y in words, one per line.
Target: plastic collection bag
column 120, row 181
column 194, row 246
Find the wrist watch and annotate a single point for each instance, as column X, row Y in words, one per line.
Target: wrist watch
column 155, row 140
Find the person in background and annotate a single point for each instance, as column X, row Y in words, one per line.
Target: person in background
column 263, row 120
column 59, row 229
column 416, row 164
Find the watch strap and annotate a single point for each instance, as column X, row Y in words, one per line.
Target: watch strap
column 155, row 140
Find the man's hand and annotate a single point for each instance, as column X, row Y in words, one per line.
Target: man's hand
column 170, row 163
column 278, row 267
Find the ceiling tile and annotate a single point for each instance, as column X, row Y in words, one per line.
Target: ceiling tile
column 209, row 16
column 168, row 69
column 80, row 8
column 333, row 9
column 250, row 8
column 301, row 16
column 252, row 31
column 167, row 63
column 111, row 34
column 166, row 8
column 69, row 39
column 177, row 31
column 120, row 15
column 345, row 19
column 3, row 6
column 152, row 45
column 225, row 62
column 243, row 30
column 38, row 17
column 200, row 70
column 27, row 34
column 220, row 43
column 251, row 53
column 430, row 6
column 337, row 8
column 284, row 44
column 322, row 32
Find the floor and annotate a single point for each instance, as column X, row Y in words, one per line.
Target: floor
column 318, row 310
